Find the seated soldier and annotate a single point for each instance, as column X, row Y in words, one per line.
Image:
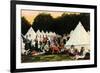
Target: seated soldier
column 72, row 50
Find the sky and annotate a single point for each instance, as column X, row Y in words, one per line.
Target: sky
column 31, row 14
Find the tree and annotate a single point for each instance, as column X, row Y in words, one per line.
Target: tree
column 62, row 24
column 25, row 25
column 85, row 20
column 43, row 21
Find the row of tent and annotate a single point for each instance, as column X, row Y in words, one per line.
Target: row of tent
column 38, row 33
column 78, row 36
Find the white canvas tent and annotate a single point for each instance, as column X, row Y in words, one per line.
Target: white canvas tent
column 43, row 33
column 54, row 34
column 47, row 33
column 79, row 37
column 38, row 33
column 31, row 34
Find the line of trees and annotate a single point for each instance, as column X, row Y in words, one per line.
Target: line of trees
column 62, row 24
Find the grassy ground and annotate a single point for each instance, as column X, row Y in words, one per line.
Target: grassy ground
column 46, row 58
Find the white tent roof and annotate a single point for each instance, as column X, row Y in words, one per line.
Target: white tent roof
column 38, row 33
column 46, row 33
column 43, row 32
column 50, row 33
column 54, row 33
column 79, row 36
column 32, row 33
column 71, row 33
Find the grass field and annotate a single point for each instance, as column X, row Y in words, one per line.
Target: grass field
column 46, row 58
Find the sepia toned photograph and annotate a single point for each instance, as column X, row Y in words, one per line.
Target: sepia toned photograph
column 54, row 36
